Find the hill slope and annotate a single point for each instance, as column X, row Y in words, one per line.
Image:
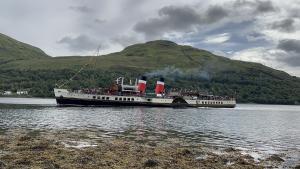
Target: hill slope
column 11, row 49
column 182, row 66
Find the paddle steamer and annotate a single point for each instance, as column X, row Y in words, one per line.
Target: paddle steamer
column 120, row 94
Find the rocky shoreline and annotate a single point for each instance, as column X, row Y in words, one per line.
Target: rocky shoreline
column 91, row 149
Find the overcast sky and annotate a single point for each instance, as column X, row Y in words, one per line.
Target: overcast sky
column 262, row 31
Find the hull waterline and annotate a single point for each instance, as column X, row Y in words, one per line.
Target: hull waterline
column 108, row 103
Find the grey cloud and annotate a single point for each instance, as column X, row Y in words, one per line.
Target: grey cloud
column 258, row 6
column 265, row 6
column 294, row 13
column 215, row 13
column 240, row 3
column 132, row 4
column 99, row 21
column 292, row 60
column 182, row 19
column 292, row 47
column 185, row 14
column 286, row 25
column 83, row 9
column 171, row 19
column 80, row 43
column 255, row 36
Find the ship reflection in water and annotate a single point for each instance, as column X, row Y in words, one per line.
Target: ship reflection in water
column 259, row 128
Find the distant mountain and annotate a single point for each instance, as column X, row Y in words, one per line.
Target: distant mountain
column 11, row 49
column 182, row 66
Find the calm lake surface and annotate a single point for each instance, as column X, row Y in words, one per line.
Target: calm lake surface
column 263, row 129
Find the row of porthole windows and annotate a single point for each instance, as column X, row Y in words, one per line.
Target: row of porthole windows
column 116, row 98
column 203, row 102
column 124, row 99
column 102, row 98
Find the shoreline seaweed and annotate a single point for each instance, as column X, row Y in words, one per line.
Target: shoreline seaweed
column 87, row 149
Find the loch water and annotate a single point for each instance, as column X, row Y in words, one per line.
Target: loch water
column 257, row 129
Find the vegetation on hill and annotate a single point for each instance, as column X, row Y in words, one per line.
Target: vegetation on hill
column 12, row 50
column 182, row 66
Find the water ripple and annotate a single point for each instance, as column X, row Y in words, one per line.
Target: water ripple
column 261, row 127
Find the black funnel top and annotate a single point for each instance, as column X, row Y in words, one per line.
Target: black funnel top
column 144, row 78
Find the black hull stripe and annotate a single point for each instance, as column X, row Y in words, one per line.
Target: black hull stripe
column 110, row 103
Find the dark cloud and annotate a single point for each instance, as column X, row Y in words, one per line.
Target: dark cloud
column 83, row 9
column 286, row 25
column 215, row 13
column 182, row 19
column 265, row 6
column 171, row 18
column 184, row 14
column 292, row 60
column 292, row 47
column 80, row 43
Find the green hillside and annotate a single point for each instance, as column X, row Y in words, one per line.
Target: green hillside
column 12, row 50
column 182, row 66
